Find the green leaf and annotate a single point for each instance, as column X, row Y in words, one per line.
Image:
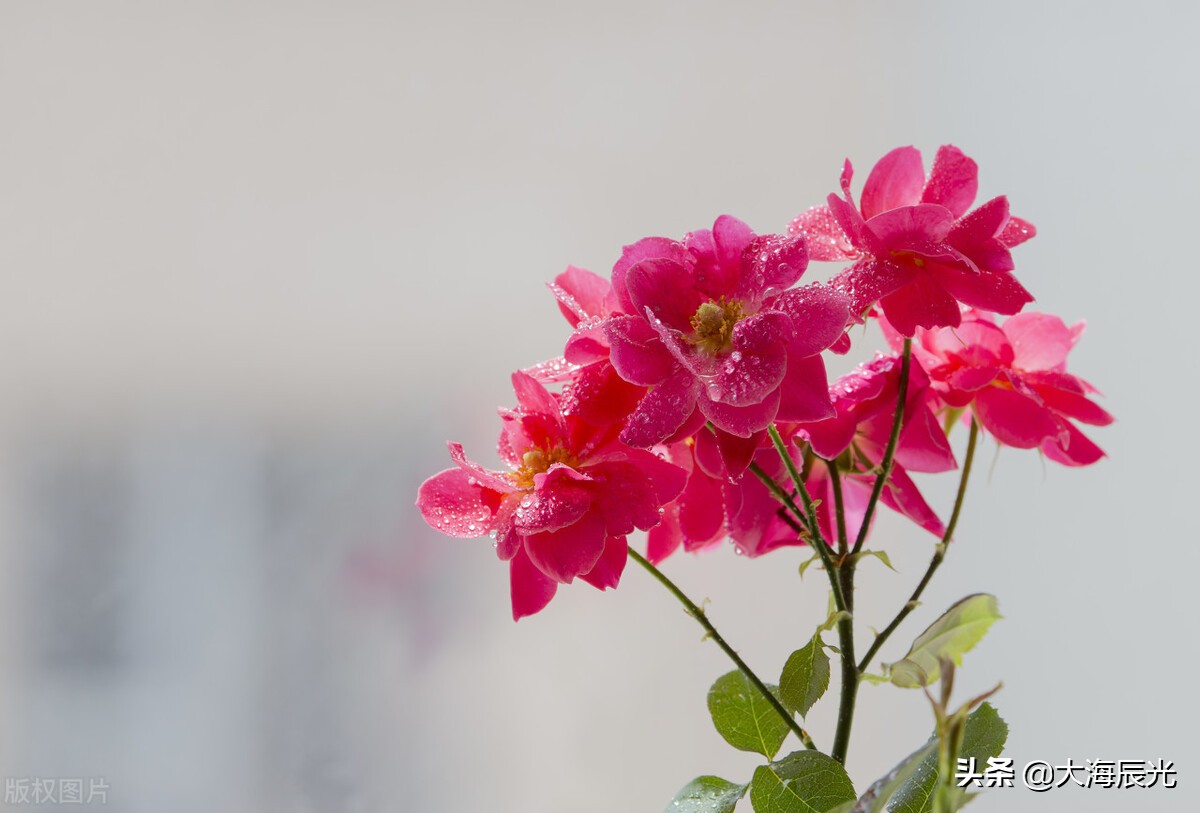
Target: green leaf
column 985, row 735
column 880, row 555
column 832, row 621
column 744, row 717
column 877, row 796
column 816, row 557
column 801, row 782
column 707, row 794
column 805, row 677
column 956, row 632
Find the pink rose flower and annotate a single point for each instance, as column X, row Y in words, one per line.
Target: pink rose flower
column 1014, row 378
column 857, row 436
column 710, row 326
column 914, row 246
column 572, row 494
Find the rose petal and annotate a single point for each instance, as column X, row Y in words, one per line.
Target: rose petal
column 895, row 180
column 637, row 352
column 454, row 505
column 491, row 479
column 804, row 394
column 645, row 249
column 664, row 538
column 741, row 421
column 701, row 508
column 531, row 590
column 921, row 303
column 607, row 571
column 1016, row 231
column 824, row 238
column 902, row 496
column 568, row 552
column 1014, row 419
column 819, row 315
column 662, row 411
column 664, row 288
column 1040, row 341
column 869, row 280
column 581, row 294
column 770, row 264
column 953, row 180
column 1072, row 448
column 924, row 222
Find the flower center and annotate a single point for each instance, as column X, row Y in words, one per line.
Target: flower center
column 537, row 461
column 713, row 325
column 910, row 257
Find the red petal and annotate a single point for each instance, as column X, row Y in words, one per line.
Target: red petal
column 454, row 505
column 819, row 315
column 953, row 181
column 824, row 238
column 564, row 554
column 1014, row 419
column 531, row 590
column 1016, row 231
column 581, row 294
column 896, row 180
column 804, row 395
column 1073, row 448
column 608, row 569
column 664, row 409
column 741, row 421
column 637, row 352
column 921, row 303
column 664, row 538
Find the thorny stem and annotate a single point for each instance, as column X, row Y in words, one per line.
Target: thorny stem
column 885, row 468
column 845, row 626
column 835, row 479
column 697, row 613
column 841, row 582
column 822, row 547
column 938, row 556
column 780, row 493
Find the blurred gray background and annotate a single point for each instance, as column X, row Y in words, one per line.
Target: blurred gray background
column 258, row 260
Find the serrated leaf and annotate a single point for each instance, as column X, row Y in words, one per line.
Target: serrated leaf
column 707, row 794
column 954, row 633
column 744, row 717
column 876, row 797
column 805, row 677
column 881, row 556
column 984, row 737
column 801, row 782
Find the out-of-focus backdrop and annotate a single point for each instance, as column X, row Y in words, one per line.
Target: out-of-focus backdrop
column 258, row 260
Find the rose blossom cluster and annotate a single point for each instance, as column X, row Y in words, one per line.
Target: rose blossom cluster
column 682, row 358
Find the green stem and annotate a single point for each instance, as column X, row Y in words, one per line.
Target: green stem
column 845, row 626
column 938, row 555
column 835, row 478
column 818, row 541
column 780, row 493
column 885, row 467
column 697, row 613
column 841, row 582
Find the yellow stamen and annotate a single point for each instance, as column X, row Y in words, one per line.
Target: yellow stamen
column 713, row 325
column 536, row 461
